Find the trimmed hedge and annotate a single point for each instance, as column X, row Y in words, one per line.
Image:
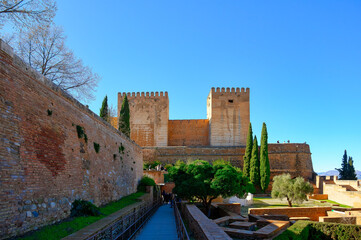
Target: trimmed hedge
column 145, row 181
column 320, row 231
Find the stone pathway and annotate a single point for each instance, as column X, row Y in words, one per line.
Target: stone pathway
column 160, row 226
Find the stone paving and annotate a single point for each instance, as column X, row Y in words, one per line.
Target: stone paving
column 160, row 226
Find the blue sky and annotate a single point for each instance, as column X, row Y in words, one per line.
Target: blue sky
column 301, row 60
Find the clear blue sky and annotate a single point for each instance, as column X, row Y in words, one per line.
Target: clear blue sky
column 301, row 60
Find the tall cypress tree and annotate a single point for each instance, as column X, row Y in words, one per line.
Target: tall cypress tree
column 265, row 173
column 344, row 167
column 248, row 153
column 104, row 111
column 124, row 117
column 255, row 164
column 351, row 175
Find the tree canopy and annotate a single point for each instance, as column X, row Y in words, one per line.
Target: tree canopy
column 104, row 111
column 124, row 117
column 265, row 173
column 347, row 170
column 294, row 190
column 255, row 164
column 200, row 180
column 248, row 152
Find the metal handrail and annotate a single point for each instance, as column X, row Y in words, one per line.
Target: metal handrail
column 127, row 226
column 181, row 229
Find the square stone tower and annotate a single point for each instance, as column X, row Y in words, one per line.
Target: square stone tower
column 149, row 114
column 228, row 115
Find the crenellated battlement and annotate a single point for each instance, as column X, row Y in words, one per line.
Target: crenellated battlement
column 144, row 94
column 229, row 90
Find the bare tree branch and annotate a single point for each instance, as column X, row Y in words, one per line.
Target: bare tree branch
column 45, row 50
column 26, row 13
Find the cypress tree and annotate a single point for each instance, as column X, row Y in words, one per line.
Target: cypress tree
column 254, row 168
column 265, row 172
column 104, row 111
column 351, row 170
column 124, row 117
column 248, row 153
column 344, row 167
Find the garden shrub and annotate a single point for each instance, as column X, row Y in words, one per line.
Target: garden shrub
column 145, row 181
column 83, row 208
column 96, row 147
column 320, row 231
column 80, row 131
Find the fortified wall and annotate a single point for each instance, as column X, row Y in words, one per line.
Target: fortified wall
column 221, row 136
column 47, row 153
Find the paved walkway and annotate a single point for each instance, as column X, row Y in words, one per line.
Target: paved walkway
column 160, row 226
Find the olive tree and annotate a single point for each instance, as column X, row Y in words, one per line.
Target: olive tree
column 294, row 190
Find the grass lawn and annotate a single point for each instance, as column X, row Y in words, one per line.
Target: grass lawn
column 268, row 202
column 341, row 205
column 71, row 225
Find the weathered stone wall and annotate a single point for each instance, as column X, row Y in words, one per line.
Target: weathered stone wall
column 188, row 132
column 149, row 114
column 44, row 165
column 312, row 212
column 284, row 158
column 229, row 116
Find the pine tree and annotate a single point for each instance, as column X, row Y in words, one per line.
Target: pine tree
column 344, row 167
column 124, row 117
column 265, row 172
column 255, row 164
column 104, row 111
column 248, row 153
column 351, row 175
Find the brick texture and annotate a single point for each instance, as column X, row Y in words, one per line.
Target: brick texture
column 44, row 165
column 188, row 132
column 284, row 158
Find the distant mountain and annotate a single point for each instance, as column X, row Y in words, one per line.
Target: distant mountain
column 335, row 172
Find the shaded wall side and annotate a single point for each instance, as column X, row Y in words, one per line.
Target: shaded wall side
column 44, row 165
column 149, row 117
column 188, row 132
column 284, row 158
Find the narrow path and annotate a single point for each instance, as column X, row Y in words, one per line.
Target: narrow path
column 160, row 226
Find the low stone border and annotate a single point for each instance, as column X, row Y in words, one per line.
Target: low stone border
column 203, row 227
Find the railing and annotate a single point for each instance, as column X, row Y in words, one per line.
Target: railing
column 181, row 229
column 127, row 226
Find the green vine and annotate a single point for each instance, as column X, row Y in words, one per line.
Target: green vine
column 96, row 147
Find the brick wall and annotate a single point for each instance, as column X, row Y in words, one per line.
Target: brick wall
column 158, row 176
column 284, row 158
column 312, row 212
column 188, row 132
column 44, row 165
column 149, row 114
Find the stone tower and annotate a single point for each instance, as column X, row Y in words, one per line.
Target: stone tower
column 149, row 117
column 228, row 115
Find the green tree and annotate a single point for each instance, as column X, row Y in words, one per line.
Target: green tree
column 255, row 164
column 351, row 170
column 265, row 173
column 344, row 171
column 248, row 153
column 294, row 190
column 124, row 117
column 104, row 111
column 199, row 180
